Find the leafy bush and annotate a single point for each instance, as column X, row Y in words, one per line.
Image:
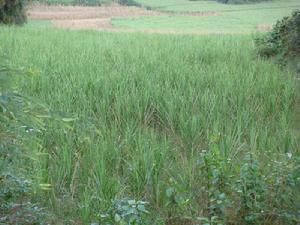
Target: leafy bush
column 12, row 11
column 283, row 40
column 125, row 211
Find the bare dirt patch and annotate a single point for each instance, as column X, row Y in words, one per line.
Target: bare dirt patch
column 84, row 17
column 102, row 23
column 264, row 27
column 45, row 12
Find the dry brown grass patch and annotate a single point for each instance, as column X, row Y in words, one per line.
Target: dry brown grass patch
column 45, row 12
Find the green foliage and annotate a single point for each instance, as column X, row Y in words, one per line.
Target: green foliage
column 20, row 123
column 283, row 42
column 15, row 205
column 252, row 190
column 125, row 212
column 262, row 194
column 213, row 169
column 12, row 11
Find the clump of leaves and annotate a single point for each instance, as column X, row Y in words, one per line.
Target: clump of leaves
column 268, row 198
column 284, row 181
column 125, row 211
column 213, row 167
column 252, row 190
column 283, row 42
column 177, row 204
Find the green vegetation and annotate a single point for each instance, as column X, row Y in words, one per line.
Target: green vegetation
column 195, row 129
column 20, row 123
column 213, row 6
column 284, row 41
column 144, row 129
column 12, row 12
column 39, row 24
column 220, row 18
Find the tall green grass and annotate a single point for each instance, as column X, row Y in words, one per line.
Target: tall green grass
column 198, row 126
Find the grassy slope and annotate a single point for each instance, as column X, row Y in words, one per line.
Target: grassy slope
column 146, row 107
column 231, row 18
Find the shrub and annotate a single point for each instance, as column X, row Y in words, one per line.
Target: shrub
column 283, row 42
column 12, row 12
column 125, row 211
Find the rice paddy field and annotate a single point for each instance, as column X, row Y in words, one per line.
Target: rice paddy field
column 158, row 128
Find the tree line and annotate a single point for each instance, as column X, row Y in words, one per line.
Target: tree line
column 12, row 11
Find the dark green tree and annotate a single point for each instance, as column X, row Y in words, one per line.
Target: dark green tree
column 12, row 12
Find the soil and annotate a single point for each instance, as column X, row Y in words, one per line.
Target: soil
column 45, row 12
column 264, row 27
column 99, row 18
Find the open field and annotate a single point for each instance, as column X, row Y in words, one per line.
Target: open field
column 227, row 18
column 213, row 6
column 78, row 17
column 205, row 18
column 45, row 12
column 148, row 110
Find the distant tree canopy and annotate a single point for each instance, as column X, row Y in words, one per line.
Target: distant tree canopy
column 12, row 12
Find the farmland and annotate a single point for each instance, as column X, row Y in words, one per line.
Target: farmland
column 186, row 128
column 189, row 17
